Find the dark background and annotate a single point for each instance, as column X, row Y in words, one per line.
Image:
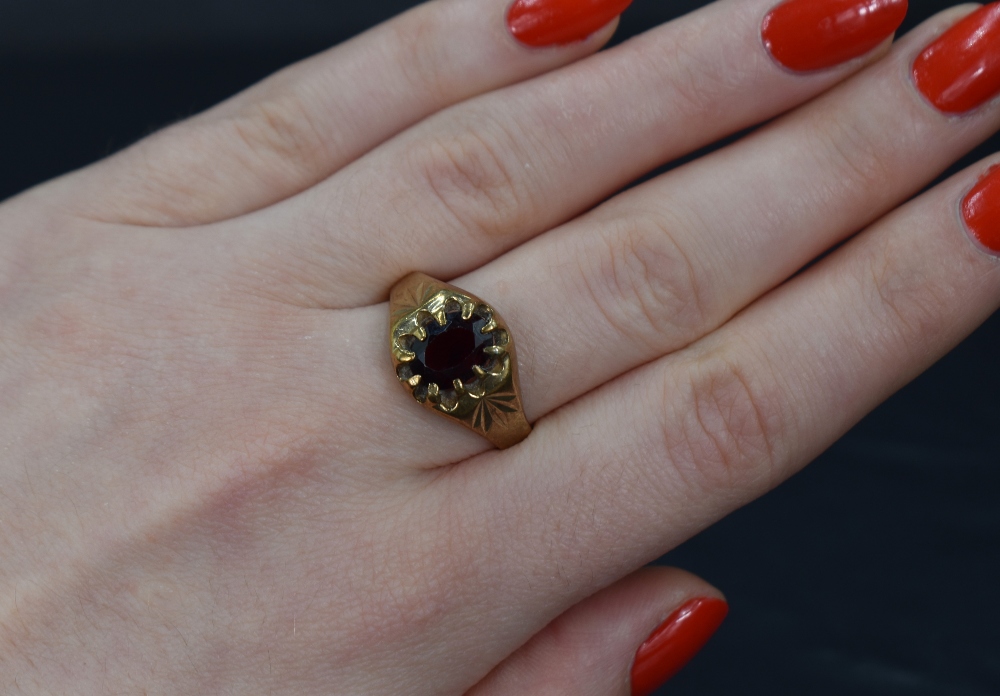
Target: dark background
column 873, row 572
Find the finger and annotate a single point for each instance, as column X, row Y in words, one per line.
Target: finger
column 307, row 121
column 690, row 437
column 626, row 640
column 460, row 188
column 663, row 264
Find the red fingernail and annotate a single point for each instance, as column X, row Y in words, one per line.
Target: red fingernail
column 675, row 642
column 961, row 70
column 816, row 34
column 556, row 22
column 981, row 210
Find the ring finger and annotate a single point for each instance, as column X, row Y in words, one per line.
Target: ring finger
column 668, row 262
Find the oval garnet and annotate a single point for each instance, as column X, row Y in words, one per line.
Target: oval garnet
column 452, row 350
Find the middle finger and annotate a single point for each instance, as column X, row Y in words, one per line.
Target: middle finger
column 479, row 178
column 665, row 263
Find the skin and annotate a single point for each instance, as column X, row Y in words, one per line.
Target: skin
column 211, row 481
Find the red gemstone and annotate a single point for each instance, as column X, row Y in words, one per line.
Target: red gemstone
column 452, row 350
column 449, row 349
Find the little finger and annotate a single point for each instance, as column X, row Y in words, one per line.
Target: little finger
column 687, row 439
column 626, row 640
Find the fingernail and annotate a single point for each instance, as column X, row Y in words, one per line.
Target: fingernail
column 557, row 22
column 961, row 70
column 815, row 34
column 675, row 642
column 981, row 210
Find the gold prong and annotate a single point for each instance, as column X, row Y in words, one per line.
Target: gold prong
column 420, row 333
column 449, row 409
column 494, row 350
column 501, row 374
column 468, row 307
column 480, row 372
column 459, row 387
column 489, row 326
column 433, row 391
column 405, row 356
column 440, row 317
column 414, row 380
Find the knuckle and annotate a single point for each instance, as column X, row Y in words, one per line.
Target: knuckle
column 907, row 302
column 468, row 173
column 417, row 49
column 724, row 425
column 853, row 153
column 698, row 87
column 646, row 285
column 281, row 129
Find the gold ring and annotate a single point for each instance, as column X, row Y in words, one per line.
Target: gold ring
column 456, row 356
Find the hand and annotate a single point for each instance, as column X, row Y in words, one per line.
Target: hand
column 212, row 482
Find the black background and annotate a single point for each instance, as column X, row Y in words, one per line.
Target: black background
column 873, row 572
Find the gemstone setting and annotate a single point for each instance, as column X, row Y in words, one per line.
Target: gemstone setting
column 451, row 351
column 442, row 333
column 452, row 348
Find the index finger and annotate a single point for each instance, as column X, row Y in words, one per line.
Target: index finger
column 307, row 121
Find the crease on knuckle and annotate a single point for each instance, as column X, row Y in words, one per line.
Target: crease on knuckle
column 647, row 286
column 468, row 174
column 416, row 49
column 723, row 432
column 853, row 154
column 282, row 129
column 911, row 299
column 698, row 87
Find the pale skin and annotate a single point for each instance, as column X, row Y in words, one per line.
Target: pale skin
column 212, row 482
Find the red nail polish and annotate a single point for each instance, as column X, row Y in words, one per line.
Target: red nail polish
column 557, row 22
column 981, row 210
column 675, row 642
column 961, row 70
column 816, row 34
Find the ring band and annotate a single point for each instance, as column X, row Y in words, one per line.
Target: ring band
column 456, row 356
